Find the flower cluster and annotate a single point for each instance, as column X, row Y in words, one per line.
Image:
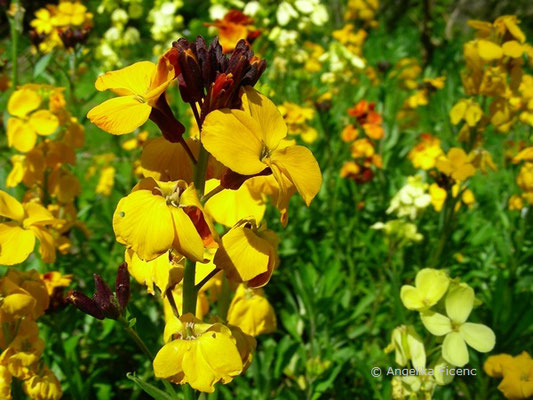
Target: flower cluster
column 42, row 129
column 65, row 24
column 363, row 150
column 444, row 306
column 223, row 173
column 494, row 71
column 26, row 296
column 524, row 178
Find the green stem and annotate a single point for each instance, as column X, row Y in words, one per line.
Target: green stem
column 140, row 343
column 14, row 43
column 136, row 338
column 201, row 169
column 190, row 293
column 216, row 190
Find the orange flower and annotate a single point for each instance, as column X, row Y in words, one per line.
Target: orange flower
column 233, row 27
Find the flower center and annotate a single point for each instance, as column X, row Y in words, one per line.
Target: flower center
column 265, row 152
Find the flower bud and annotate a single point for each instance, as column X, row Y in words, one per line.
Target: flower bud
column 122, row 286
column 84, row 304
column 104, row 298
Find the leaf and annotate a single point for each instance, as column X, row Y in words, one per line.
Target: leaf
column 150, row 389
column 41, row 65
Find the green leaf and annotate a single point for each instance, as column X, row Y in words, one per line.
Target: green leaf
column 41, row 65
column 150, row 389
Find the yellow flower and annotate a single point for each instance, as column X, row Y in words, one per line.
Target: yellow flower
column 71, row 13
column 516, row 203
column 31, row 282
column 165, row 271
column 136, row 142
column 5, row 383
column 517, row 373
column 27, row 168
column 249, row 141
column 349, row 133
column 362, row 148
column 230, row 206
column 43, row 386
column 16, row 303
column 22, row 354
column 54, row 280
column 251, row 311
column 197, row 353
column 106, row 180
column 26, row 121
column 468, row 110
column 525, row 177
column 457, row 332
column 430, row 286
column 407, row 345
column 456, row 164
column 248, row 253
column 139, row 86
column 438, row 196
column 43, row 21
column 426, row 152
column 18, row 236
column 158, row 216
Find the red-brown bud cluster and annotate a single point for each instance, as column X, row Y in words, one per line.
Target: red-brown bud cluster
column 104, row 304
column 211, row 78
column 73, row 36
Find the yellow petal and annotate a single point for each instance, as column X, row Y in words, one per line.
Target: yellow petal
column 38, row 215
column 10, row 207
column 512, row 49
column 44, row 122
column 165, row 161
column 120, row 115
column 478, row 336
column 301, row 168
column 187, row 240
column 411, row 298
column 168, row 361
column 133, row 79
column 457, row 112
column 454, row 349
column 143, row 222
column 22, row 102
column 232, row 137
column 230, row 206
column 20, row 135
column 16, row 243
column 47, row 247
column 212, row 357
column 489, row 51
column 432, row 284
column 265, row 112
column 459, row 302
column 436, row 323
column 251, row 311
column 18, row 304
column 244, row 255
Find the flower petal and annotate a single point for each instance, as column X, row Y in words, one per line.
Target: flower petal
column 133, row 79
column 232, row 137
column 479, row 337
column 459, row 302
column 411, row 298
column 20, row 135
column 16, row 243
column 300, row 166
column 187, row 239
column 432, row 284
column 10, row 207
column 47, row 248
column 436, row 323
column 265, row 112
column 143, row 221
column 212, row 357
column 22, row 102
column 44, row 122
column 169, row 360
column 454, row 349
column 165, row 161
column 120, row 115
column 244, row 255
